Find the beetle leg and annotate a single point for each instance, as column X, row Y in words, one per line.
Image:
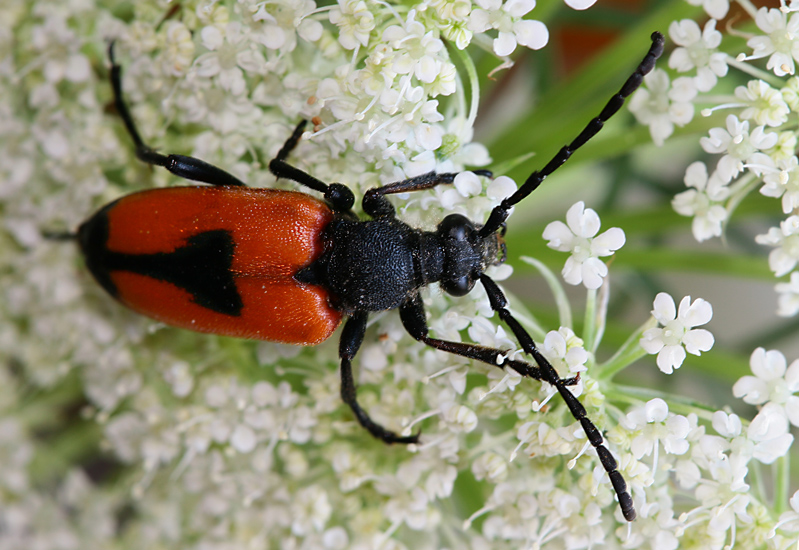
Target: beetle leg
column 413, row 319
column 376, row 205
column 499, row 304
column 339, row 196
column 351, row 340
column 189, row 168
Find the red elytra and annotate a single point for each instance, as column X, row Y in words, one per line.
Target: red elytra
column 273, row 235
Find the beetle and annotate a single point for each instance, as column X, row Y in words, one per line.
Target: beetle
column 288, row 267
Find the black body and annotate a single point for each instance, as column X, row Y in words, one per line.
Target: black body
column 361, row 256
column 382, row 263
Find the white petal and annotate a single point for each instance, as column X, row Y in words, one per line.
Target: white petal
column 680, row 60
column 752, row 390
column 769, row 451
column 211, row 37
column 518, row 8
column 584, row 222
column 559, row 236
column 664, row 308
column 792, row 409
column 697, row 340
column 580, row 4
column 652, row 340
column 572, row 272
column 670, row 358
column 467, row 184
column 656, row 410
column 608, row 242
column 504, row 44
column 717, row 9
column 767, row 365
column 696, row 175
column 533, row 34
column 727, row 425
column 792, row 376
column 594, row 271
column 310, row 30
column 698, row 313
column 769, row 423
column 501, row 188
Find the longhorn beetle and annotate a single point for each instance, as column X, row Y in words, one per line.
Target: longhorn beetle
column 287, row 267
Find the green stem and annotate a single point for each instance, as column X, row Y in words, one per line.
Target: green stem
column 474, row 85
column 562, row 301
column 589, row 330
column 783, row 483
column 677, row 403
column 628, row 353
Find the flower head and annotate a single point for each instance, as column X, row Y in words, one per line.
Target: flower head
column 780, row 43
column 663, row 103
column 698, row 51
column 739, row 146
column 676, row 334
column 773, row 382
column 705, row 202
column 580, row 238
column 785, row 240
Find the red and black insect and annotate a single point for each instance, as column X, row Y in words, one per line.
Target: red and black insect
column 288, row 267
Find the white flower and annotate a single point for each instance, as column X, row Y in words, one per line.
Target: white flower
column 725, row 497
column 565, row 351
column 507, row 19
column 178, row 51
column 59, row 48
column 229, row 53
column 660, row 105
column 698, row 51
column 310, row 510
column 790, row 520
column 783, row 182
column 781, row 42
column 788, row 300
column 767, row 435
column 766, row 105
column 739, row 146
column 580, row 238
column 416, row 49
column 677, row 331
column 785, row 240
column 717, row 9
column 773, row 382
column 355, row 22
column 704, row 202
column 653, row 425
column 283, row 21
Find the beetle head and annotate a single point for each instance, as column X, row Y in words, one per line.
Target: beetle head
column 466, row 253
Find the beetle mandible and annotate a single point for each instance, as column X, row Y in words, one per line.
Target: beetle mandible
column 287, row 267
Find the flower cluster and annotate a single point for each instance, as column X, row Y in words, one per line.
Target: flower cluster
column 755, row 139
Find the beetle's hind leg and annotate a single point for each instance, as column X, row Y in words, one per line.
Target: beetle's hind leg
column 183, row 166
column 351, row 340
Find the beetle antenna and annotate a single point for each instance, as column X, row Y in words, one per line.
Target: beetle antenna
column 500, row 213
column 59, row 235
column 499, row 304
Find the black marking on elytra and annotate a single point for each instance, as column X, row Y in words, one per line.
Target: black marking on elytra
column 202, row 267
